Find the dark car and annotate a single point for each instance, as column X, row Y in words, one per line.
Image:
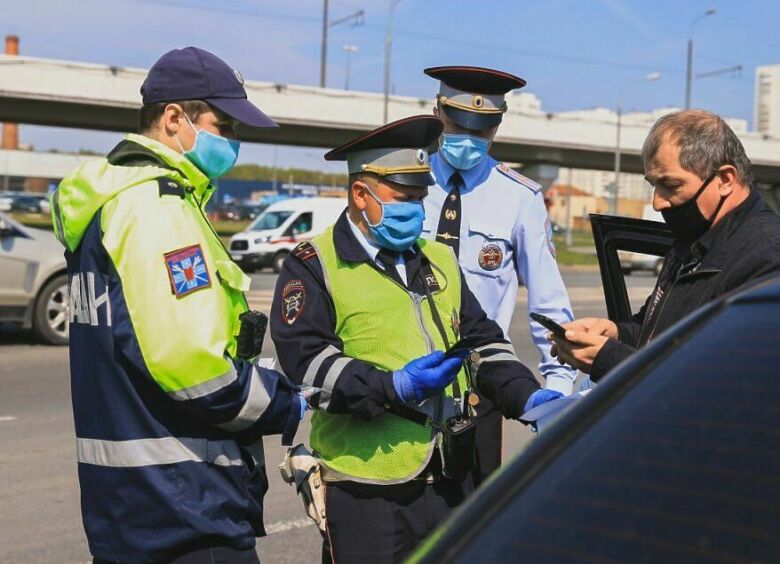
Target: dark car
column 250, row 211
column 30, row 204
column 675, row 457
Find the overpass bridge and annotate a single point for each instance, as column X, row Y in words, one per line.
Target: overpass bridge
column 101, row 97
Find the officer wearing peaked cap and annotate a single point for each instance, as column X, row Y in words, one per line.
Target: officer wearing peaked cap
column 363, row 313
column 496, row 222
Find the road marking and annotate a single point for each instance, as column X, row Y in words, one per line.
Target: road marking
column 4, row 418
column 283, row 526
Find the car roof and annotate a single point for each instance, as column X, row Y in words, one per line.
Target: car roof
column 689, row 367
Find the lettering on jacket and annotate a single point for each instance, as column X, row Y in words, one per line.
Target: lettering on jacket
column 85, row 302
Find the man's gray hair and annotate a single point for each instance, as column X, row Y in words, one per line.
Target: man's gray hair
column 705, row 141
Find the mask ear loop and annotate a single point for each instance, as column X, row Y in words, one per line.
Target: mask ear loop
column 381, row 206
column 197, row 131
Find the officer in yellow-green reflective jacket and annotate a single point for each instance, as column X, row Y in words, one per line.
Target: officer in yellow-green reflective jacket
column 168, row 417
column 363, row 313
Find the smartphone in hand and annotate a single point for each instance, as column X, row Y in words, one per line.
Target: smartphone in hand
column 552, row 326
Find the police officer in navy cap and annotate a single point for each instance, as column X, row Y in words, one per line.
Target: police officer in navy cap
column 495, row 220
column 169, row 410
column 364, row 313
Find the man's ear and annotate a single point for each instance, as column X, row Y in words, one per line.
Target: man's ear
column 729, row 179
column 171, row 119
column 436, row 111
column 359, row 194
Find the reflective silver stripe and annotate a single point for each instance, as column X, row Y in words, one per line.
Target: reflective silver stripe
column 498, row 347
column 314, row 365
column 499, row 356
column 207, row 387
column 330, row 379
column 58, row 231
column 149, row 452
column 257, row 401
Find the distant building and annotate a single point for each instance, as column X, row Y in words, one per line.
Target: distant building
column 633, row 187
column 766, row 108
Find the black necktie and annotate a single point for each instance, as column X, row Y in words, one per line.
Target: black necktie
column 449, row 221
column 388, row 258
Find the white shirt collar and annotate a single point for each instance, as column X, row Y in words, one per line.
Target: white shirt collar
column 371, row 249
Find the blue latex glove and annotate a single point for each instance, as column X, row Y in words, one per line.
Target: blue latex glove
column 425, row 376
column 541, row 396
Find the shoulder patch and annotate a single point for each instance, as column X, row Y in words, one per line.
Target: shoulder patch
column 169, row 187
column 187, row 270
column 293, row 300
column 519, row 178
column 304, row 251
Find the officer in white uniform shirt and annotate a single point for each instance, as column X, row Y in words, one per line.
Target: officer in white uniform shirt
column 496, row 221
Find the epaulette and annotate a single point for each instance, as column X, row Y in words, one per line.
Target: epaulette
column 519, row 178
column 169, row 187
column 304, row 251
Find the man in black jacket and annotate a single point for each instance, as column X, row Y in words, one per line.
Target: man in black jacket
column 725, row 236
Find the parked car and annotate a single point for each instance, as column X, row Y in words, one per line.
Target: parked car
column 30, row 203
column 250, row 211
column 6, row 201
column 270, row 238
column 672, row 458
column 33, row 281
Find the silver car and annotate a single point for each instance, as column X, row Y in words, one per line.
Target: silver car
column 33, row 281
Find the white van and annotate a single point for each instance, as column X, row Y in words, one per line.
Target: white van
column 630, row 262
column 275, row 232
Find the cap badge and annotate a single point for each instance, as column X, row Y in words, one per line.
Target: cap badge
column 477, row 101
column 490, row 256
column 239, row 77
column 420, row 156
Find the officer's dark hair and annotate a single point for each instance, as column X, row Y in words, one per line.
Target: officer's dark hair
column 706, row 142
column 150, row 114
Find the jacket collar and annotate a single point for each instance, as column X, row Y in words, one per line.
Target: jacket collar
column 161, row 155
column 709, row 246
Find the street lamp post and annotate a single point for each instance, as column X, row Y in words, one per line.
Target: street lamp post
column 689, row 58
column 348, row 49
column 616, row 187
column 388, row 52
column 356, row 17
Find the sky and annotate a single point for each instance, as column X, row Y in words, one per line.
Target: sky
column 575, row 54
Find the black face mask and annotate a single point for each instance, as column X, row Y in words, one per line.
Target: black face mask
column 686, row 221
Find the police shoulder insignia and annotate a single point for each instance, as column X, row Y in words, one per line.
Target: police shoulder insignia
column 304, row 251
column 187, row 270
column 293, row 300
column 519, row 178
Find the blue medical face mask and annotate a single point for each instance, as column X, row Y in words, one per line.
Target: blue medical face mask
column 464, row 151
column 400, row 225
column 212, row 154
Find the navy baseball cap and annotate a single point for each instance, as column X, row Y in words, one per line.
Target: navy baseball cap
column 195, row 74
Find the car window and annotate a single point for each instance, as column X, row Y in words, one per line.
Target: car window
column 270, row 220
column 300, row 226
column 684, row 468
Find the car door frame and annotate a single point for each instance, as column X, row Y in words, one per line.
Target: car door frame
column 614, row 233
